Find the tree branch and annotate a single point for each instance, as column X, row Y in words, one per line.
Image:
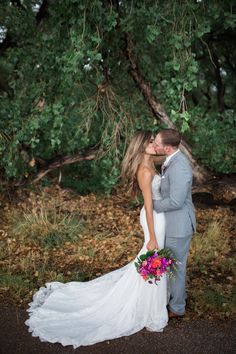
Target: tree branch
column 57, row 162
column 200, row 173
column 43, row 11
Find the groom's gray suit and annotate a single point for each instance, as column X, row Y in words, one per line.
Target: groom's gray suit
column 178, row 207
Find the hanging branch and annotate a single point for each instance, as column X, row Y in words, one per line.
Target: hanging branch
column 199, row 172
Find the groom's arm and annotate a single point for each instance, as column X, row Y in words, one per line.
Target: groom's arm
column 180, row 179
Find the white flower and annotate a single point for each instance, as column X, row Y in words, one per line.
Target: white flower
column 3, row 32
column 87, row 67
column 35, row 8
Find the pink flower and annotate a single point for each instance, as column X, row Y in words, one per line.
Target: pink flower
column 156, row 263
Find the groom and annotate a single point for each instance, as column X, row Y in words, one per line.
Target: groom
column 177, row 205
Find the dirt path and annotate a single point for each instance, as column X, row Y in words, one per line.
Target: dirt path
column 182, row 337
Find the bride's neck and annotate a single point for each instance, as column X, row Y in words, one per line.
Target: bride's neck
column 147, row 162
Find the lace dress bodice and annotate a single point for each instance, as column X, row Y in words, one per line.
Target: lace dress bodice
column 156, row 184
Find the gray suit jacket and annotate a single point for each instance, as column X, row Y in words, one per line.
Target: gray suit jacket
column 176, row 200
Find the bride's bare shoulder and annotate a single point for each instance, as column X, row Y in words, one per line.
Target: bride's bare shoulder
column 145, row 174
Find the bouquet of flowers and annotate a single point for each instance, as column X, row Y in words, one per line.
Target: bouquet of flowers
column 153, row 264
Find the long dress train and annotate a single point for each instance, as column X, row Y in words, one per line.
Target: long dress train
column 116, row 304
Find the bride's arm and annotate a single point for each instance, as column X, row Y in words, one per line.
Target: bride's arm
column 145, row 180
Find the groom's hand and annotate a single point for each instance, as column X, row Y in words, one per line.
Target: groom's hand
column 151, row 245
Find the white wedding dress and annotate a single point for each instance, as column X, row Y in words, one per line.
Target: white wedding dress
column 116, row 304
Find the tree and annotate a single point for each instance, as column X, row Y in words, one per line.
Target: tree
column 68, row 82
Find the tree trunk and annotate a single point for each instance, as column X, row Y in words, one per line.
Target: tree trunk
column 199, row 172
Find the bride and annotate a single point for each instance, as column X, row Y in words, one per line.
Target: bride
column 119, row 303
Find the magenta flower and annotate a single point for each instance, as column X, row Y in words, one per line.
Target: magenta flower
column 152, row 265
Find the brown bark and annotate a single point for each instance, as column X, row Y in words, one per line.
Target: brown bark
column 64, row 160
column 199, row 172
column 43, row 11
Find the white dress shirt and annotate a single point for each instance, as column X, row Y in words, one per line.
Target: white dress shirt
column 169, row 157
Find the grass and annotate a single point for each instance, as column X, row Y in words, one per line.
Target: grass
column 208, row 246
column 211, row 273
column 15, row 287
column 214, row 300
column 46, row 226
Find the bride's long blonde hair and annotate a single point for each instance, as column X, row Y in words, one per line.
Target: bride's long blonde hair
column 133, row 158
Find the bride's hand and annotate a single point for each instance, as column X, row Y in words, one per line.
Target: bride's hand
column 151, row 245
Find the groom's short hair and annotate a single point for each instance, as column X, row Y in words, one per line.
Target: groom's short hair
column 170, row 137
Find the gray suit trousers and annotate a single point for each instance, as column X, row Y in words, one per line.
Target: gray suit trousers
column 180, row 250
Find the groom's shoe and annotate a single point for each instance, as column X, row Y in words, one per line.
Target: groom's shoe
column 174, row 315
